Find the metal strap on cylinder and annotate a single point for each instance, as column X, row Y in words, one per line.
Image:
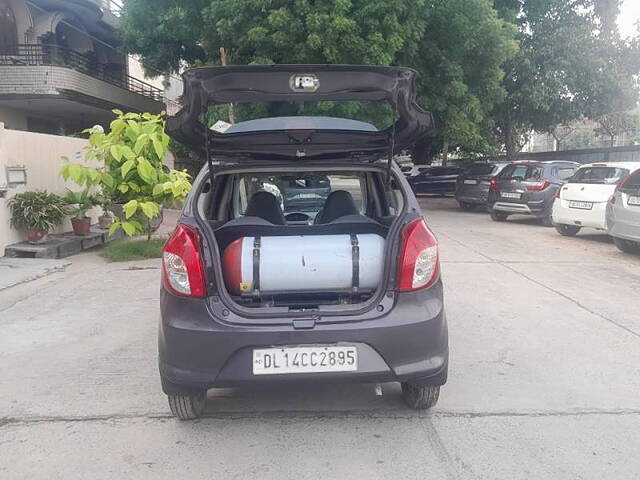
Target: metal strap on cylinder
column 355, row 262
column 256, row 266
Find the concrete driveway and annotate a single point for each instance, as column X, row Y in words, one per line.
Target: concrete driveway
column 544, row 380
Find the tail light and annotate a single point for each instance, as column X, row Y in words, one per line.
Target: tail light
column 182, row 267
column 539, row 186
column 419, row 262
column 493, row 184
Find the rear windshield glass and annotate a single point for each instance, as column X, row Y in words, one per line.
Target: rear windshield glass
column 522, row 172
column 564, row 173
column 601, row 175
column 299, row 192
column 439, row 171
column 480, row 170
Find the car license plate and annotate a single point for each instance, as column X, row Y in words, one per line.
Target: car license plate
column 510, row 195
column 470, row 182
column 634, row 201
column 316, row 359
column 580, row 205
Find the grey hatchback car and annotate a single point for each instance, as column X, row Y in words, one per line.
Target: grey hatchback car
column 623, row 214
column 528, row 188
column 258, row 291
column 472, row 186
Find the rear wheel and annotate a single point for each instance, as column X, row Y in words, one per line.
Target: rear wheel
column 420, row 397
column 498, row 216
column 627, row 246
column 547, row 220
column 187, row 407
column 467, row 206
column 567, row 230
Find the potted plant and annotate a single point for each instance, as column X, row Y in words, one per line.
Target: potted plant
column 37, row 213
column 130, row 171
column 79, row 204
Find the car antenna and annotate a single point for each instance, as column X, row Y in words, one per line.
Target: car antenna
column 393, row 140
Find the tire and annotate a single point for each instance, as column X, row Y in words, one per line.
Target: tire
column 498, row 216
column 187, row 407
column 420, row 397
column 567, row 230
column 626, row 246
column 547, row 220
column 467, row 207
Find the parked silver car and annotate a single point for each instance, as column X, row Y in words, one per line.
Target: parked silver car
column 623, row 214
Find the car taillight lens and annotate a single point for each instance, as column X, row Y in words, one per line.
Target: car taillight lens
column 419, row 263
column 493, row 184
column 539, row 186
column 182, row 267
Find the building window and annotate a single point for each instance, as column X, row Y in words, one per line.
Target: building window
column 8, row 28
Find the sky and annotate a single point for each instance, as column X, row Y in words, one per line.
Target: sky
column 629, row 15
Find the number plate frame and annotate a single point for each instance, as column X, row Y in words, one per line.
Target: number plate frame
column 305, row 359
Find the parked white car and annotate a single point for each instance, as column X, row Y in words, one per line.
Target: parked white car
column 623, row 214
column 582, row 201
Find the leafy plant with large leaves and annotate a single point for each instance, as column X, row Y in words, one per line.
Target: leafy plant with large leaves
column 36, row 210
column 130, row 169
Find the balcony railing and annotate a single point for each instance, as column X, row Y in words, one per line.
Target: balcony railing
column 54, row 55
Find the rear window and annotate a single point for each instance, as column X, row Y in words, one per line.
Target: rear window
column 522, row 172
column 564, row 173
column 477, row 170
column 599, row 175
column 299, row 192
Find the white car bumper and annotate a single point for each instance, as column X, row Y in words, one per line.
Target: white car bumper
column 594, row 218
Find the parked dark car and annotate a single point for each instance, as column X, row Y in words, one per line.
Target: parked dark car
column 528, row 188
column 472, row 186
column 436, row 180
column 249, row 297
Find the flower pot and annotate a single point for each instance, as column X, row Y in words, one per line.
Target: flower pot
column 36, row 236
column 81, row 226
column 105, row 221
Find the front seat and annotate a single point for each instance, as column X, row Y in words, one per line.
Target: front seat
column 265, row 205
column 338, row 204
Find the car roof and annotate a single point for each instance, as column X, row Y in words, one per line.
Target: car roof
column 627, row 165
column 300, row 123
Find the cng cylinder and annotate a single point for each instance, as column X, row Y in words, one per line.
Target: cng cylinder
column 303, row 263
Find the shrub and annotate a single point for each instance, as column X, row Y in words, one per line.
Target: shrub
column 36, row 210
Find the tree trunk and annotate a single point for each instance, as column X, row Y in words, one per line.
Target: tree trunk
column 445, row 153
column 511, row 144
column 613, row 141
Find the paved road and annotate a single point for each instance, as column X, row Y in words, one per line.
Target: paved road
column 544, row 379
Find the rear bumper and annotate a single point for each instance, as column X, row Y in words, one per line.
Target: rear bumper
column 536, row 208
column 197, row 351
column 594, row 218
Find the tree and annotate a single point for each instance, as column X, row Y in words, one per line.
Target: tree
column 457, row 46
column 613, row 125
column 571, row 64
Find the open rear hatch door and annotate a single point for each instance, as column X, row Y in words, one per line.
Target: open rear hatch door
column 394, row 86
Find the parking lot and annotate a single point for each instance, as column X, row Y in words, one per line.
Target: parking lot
column 544, row 377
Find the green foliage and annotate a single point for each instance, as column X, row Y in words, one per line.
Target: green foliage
column 130, row 250
column 36, row 210
column 79, row 203
column 457, row 45
column 571, row 64
column 130, row 169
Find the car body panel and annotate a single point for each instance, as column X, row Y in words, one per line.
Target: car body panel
column 576, row 196
column 435, row 180
column 622, row 217
column 206, row 86
column 473, row 188
column 514, row 195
